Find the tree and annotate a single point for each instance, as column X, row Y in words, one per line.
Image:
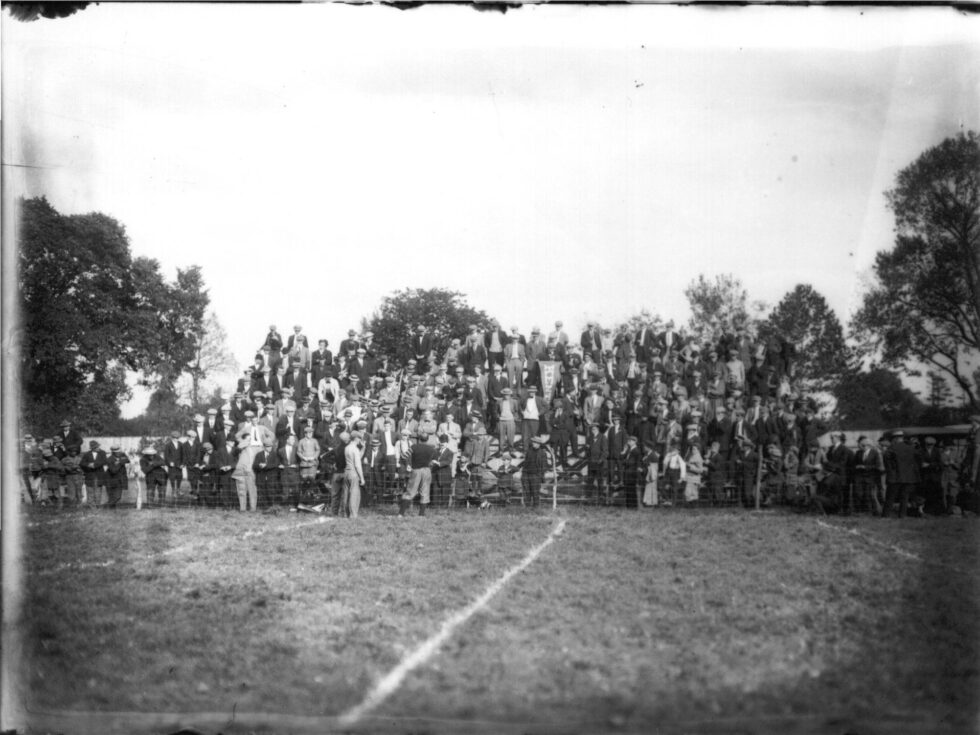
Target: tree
column 925, row 303
column 875, row 398
column 804, row 318
column 211, row 357
column 718, row 306
column 90, row 312
column 444, row 313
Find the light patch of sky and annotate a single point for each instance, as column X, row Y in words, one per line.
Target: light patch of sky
column 556, row 162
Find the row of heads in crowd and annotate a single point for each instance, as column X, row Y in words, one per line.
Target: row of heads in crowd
column 602, row 338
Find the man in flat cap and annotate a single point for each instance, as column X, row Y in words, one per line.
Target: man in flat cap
column 117, row 477
column 94, row 463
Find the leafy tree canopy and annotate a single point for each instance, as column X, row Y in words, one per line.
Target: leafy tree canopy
column 875, row 398
column 90, row 312
column 719, row 305
column 444, row 313
column 925, row 303
column 804, row 318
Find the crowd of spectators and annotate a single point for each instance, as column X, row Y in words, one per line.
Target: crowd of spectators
column 644, row 418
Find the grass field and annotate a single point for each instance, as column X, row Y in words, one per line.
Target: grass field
column 667, row 621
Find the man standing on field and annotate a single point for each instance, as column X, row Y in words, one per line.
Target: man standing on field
column 421, row 457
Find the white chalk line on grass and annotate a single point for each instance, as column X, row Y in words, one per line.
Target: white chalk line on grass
column 890, row 547
column 211, row 544
column 393, row 679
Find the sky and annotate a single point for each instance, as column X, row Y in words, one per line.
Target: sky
column 554, row 162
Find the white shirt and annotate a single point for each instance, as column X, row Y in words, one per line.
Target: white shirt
column 531, row 409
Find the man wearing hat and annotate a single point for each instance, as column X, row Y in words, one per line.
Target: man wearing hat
column 868, row 470
column 289, row 424
column 837, row 461
column 265, row 467
column 423, row 349
column 442, row 473
column 308, row 450
column 747, row 466
column 251, row 439
column 273, row 340
column 353, row 474
column 322, row 361
column 932, row 472
column 93, row 464
column 496, row 382
column 71, row 465
column 906, row 463
column 299, row 346
column 615, row 444
column 596, row 454
column 533, row 415
column 514, row 360
column 69, row 436
column 508, row 413
column 494, row 341
column 116, row 477
column 173, row 460
column 350, row 344
column 536, row 463
column 154, row 469
column 373, row 465
column 420, row 460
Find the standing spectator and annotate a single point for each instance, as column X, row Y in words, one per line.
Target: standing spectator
column 72, row 467
column 298, row 348
column 533, row 415
column 507, row 413
column 308, row 451
column 615, row 444
column 514, row 358
column 869, row 466
column 674, row 473
column 374, row 466
column 117, row 478
column 421, row 457
column 422, row 349
column 353, row 474
column 532, row 473
column 32, row 466
column 265, row 466
column 906, row 462
column 154, row 471
column 191, row 451
column 442, row 473
column 563, row 431
column 94, row 464
column 596, row 453
column 634, row 472
column 716, row 463
column 173, row 459
column 693, row 465
column 651, row 461
column 273, row 340
column 289, row 471
column 69, row 436
column 932, row 472
column 835, row 465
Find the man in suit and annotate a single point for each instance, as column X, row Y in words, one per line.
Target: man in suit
column 669, row 340
column 596, row 453
column 534, row 419
column 192, row 448
column 265, row 466
column 297, row 378
column 514, row 358
column 350, row 344
column 173, row 457
column 359, row 367
column 299, row 346
column 495, row 386
column 273, row 340
column 559, row 336
column 494, row 341
column 93, row 465
column 322, row 362
column 837, row 462
column 615, row 443
column 868, row 469
column 643, row 343
column 508, row 414
column 906, row 462
column 535, row 350
column 69, row 436
column 422, row 349
column 288, row 425
column 591, row 341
